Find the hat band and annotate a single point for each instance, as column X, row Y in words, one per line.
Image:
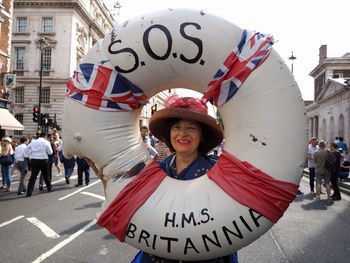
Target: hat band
column 195, row 104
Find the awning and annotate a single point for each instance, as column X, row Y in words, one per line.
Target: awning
column 8, row 122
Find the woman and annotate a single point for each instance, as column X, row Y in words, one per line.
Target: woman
column 190, row 133
column 6, row 168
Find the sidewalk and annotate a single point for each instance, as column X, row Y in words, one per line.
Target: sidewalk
column 344, row 186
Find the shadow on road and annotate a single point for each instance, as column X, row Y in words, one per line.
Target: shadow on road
column 91, row 205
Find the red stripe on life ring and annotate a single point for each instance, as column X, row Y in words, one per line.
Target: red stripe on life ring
column 240, row 180
column 251, row 187
column 118, row 214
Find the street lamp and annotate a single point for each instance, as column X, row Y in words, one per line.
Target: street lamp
column 292, row 58
column 43, row 44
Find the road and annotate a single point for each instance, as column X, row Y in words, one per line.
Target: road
column 60, row 227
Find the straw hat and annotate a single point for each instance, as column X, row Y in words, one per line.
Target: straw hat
column 7, row 139
column 191, row 109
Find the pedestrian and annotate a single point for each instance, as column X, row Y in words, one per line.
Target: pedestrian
column 55, row 133
column 162, row 150
column 21, row 159
column 68, row 165
column 146, row 140
column 313, row 147
column 191, row 139
column 38, row 151
column 7, row 155
column 83, row 167
column 334, row 176
column 51, row 157
column 322, row 174
column 341, row 144
column 344, row 170
column 57, row 143
column 14, row 144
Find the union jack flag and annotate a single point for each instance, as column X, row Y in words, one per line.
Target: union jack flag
column 104, row 89
column 251, row 52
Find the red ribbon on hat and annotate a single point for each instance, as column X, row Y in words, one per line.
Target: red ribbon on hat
column 176, row 101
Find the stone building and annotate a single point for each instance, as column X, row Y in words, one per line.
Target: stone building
column 6, row 9
column 157, row 101
column 70, row 28
column 8, row 80
column 329, row 114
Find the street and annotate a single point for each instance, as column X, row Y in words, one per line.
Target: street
column 60, row 227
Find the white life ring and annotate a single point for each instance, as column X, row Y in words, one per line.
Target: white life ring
column 264, row 125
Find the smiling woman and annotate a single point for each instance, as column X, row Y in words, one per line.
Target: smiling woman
column 190, row 133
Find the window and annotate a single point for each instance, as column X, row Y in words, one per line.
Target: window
column 22, row 24
column 47, row 59
column 47, row 25
column 45, row 95
column 20, row 55
column 19, row 117
column 338, row 75
column 19, row 95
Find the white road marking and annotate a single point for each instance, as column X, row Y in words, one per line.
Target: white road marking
column 78, row 191
column 47, row 231
column 94, row 195
column 60, row 245
column 10, row 221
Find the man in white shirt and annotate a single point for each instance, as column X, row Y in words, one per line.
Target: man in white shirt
column 313, row 147
column 38, row 152
column 22, row 164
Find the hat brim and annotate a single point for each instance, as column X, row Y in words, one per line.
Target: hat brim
column 213, row 134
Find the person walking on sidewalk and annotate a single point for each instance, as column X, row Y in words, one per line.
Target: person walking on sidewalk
column 57, row 143
column 6, row 151
column 22, row 164
column 39, row 151
column 313, row 147
column 51, row 157
column 321, row 172
column 334, row 176
column 83, row 167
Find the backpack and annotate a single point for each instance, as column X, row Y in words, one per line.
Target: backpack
column 331, row 162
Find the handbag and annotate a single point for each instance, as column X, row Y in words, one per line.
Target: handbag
column 6, row 160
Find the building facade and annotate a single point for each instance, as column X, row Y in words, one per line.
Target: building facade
column 329, row 114
column 70, row 28
column 158, row 102
column 6, row 9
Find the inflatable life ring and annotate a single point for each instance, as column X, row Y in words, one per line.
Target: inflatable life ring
column 264, row 125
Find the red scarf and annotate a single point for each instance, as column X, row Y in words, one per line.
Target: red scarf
column 240, row 180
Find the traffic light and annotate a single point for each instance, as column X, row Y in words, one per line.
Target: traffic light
column 153, row 109
column 35, row 114
column 44, row 119
column 58, row 127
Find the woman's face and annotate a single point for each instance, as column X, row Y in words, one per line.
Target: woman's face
column 185, row 136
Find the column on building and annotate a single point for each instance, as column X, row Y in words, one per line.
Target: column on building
column 311, row 127
column 315, row 127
